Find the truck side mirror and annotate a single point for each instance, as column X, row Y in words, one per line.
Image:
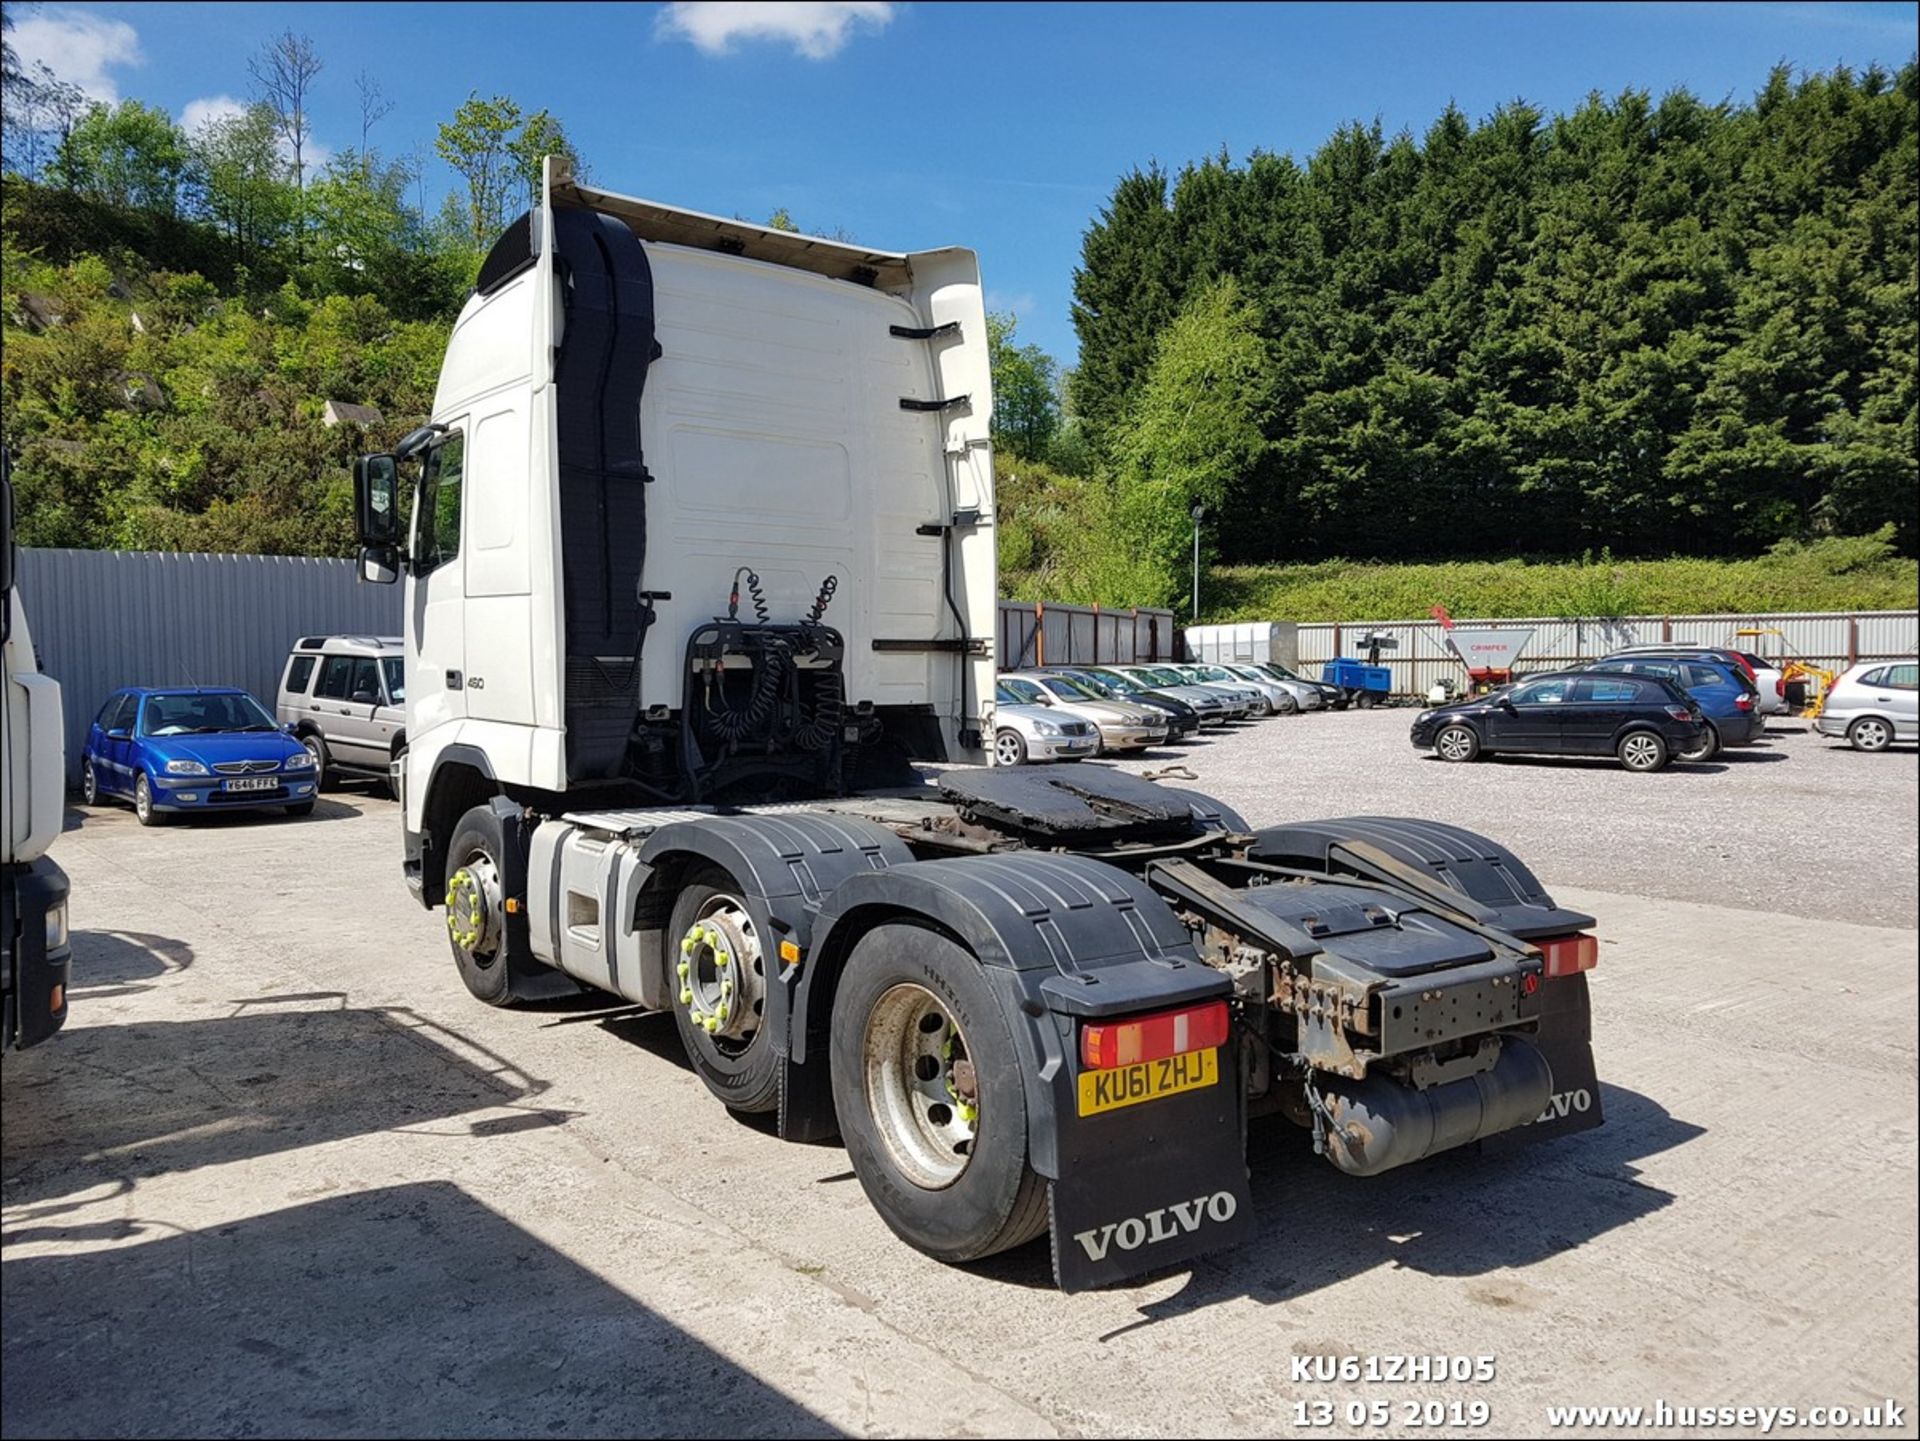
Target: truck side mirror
column 376, row 500
column 379, row 564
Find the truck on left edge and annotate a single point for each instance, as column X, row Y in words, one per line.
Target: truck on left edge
column 33, row 763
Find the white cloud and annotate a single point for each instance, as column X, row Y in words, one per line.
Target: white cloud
column 79, row 47
column 817, row 29
column 208, row 109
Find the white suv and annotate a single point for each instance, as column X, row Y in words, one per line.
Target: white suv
column 345, row 697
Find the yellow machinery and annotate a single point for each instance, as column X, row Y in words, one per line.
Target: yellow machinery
column 1818, row 679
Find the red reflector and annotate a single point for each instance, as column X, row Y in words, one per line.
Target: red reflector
column 1569, row 955
column 1154, row 1037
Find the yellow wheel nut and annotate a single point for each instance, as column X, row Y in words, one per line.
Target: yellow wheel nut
column 686, row 996
column 683, row 968
column 726, row 988
column 712, row 1024
column 686, row 945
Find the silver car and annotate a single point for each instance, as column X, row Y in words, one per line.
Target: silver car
column 1023, row 732
column 1122, row 726
column 1287, row 696
column 1215, row 705
column 345, row 697
column 1217, row 676
column 1872, row 705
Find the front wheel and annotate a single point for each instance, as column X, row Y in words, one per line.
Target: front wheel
column 144, row 809
column 1704, row 749
column 476, row 906
column 926, row 1082
column 89, row 784
column 719, row 984
column 1287, row 705
column 1642, row 751
column 1456, row 743
column 1009, row 748
column 1870, row 733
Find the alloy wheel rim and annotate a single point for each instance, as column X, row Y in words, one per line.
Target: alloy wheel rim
column 722, row 973
column 922, row 1089
column 1640, row 752
column 1453, row 745
column 1007, row 749
column 1873, row 734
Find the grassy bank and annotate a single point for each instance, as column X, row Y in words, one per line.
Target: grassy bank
column 1854, row 573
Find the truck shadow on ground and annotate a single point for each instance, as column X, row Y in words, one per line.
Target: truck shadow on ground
column 400, row 1310
column 1464, row 1214
column 123, row 963
column 105, row 1105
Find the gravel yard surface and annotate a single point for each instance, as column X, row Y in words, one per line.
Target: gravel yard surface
column 1798, row 824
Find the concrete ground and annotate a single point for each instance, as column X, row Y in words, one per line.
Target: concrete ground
column 280, row 1174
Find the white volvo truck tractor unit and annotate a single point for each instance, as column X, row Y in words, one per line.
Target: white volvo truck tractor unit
column 700, row 563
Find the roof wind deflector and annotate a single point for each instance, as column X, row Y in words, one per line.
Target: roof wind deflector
column 515, row 251
column 952, row 402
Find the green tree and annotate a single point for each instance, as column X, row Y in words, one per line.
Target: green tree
column 479, row 144
column 129, row 154
column 1026, row 402
column 243, row 189
column 540, row 136
column 1194, row 431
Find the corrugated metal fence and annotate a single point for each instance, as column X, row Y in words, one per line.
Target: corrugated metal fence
column 1833, row 639
column 1042, row 633
column 102, row 619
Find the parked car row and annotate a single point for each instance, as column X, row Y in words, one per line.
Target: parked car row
column 176, row 750
column 1069, row 712
column 1651, row 705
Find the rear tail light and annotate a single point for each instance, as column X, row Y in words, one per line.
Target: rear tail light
column 1679, row 712
column 1780, row 685
column 1569, row 955
column 1743, row 702
column 1154, row 1037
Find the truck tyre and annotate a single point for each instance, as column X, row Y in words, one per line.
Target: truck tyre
column 1870, row 733
column 1456, row 743
column 1704, row 749
column 927, row 1086
column 1642, row 751
column 720, row 974
column 1009, row 748
column 475, row 901
column 144, row 809
column 317, row 748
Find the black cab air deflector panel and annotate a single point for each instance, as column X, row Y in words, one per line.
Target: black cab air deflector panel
column 607, row 346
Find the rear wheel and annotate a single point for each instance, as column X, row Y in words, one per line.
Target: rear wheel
column 1009, row 748
column 1642, row 751
column 1456, row 743
column 1870, row 733
column 143, row 807
column 1704, row 749
column 720, row 992
column 1287, row 705
column 926, row 1082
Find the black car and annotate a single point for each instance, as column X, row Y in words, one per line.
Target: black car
column 1643, row 720
column 1182, row 719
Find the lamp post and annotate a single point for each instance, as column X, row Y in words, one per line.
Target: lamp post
column 1198, row 513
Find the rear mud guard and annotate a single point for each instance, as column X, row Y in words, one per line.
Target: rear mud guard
column 1063, row 939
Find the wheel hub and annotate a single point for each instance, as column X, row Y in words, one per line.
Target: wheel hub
column 722, row 972
column 923, row 1088
column 473, row 906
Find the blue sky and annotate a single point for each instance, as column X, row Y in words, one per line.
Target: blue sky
column 915, row 125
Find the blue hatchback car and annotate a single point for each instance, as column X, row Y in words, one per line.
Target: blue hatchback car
column 205, row 748
column 1722, row 691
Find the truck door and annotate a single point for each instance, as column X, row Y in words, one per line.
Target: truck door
column 436, row 613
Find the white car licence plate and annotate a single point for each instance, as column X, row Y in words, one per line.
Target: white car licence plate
column 252, row 783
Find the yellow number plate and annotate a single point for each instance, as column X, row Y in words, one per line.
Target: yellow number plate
column 1148, row 1081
